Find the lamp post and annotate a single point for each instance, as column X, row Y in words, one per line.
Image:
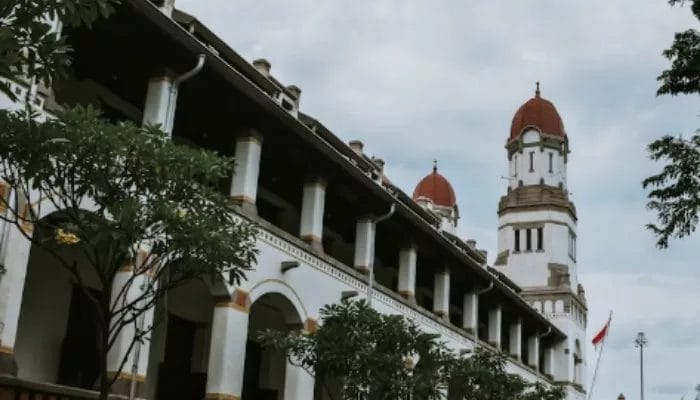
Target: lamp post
column 641, row 342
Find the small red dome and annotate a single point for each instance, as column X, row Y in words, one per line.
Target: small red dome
column 539, row 113
column 436, row 188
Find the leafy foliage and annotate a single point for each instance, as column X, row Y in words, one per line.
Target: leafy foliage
column 675, row 192
column 675, row 196
column 358, row 352
column 122, row 195
column 482, row 376
column 30, row 48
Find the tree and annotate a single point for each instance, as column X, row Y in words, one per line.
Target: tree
column 358, row 352
column 482, row 376
column 30, row 49
column 675, row 192
column 123, row 196
column 145, row 214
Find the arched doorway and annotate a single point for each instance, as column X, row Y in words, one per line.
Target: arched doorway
column 57, row 329
column 265, row 375
column 180, row 343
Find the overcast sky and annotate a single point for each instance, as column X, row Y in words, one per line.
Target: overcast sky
column 416, row 81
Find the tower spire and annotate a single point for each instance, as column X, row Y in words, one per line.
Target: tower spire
column 537, row 89
column 434, row 165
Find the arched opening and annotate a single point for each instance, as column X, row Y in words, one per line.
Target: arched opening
column 57, row 332
column 265, row 374
column 180, row 343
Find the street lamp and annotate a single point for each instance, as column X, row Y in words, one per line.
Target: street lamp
column 641, row 342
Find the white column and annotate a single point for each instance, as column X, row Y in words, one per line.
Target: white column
column 244, row 184
column 533, row 351
column 312, row 208
column 15, row 263
column 516, row 339
column 495, row 326
column 298, row 383
column 364, row 244
column 549, row 361
column 126, row 290
column 441, row 294
column 229, row 333
column 407, row 272
column 470, row 312
column 155, row 110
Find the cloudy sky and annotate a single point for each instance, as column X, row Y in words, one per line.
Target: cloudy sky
column 417, row 81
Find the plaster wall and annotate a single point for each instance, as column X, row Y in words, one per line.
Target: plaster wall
column 317, row 282
column 531, row 268
column 519, row 164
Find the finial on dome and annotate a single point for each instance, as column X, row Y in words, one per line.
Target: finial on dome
column 537, row 90
column 434, row 165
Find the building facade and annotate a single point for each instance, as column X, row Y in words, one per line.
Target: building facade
column 327, row 216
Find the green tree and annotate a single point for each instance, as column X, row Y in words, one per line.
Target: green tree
column 358, row 352
column 119, row 195
column 30, row 50
column 123, row 196
column 674, row 193
column 482, row 376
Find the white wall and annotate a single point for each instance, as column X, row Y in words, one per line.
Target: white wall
column 519, row 164
column 530, row 269
column 316, row 283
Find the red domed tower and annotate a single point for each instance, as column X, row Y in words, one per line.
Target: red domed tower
column 539, row 114
column 537, row 231
column 434, row 192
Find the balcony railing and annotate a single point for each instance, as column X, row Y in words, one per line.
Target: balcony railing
column 13, row 388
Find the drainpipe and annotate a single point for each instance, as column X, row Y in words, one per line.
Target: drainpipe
column 476, row 328
column 375, row 222
column 539, row 344
column 172, row 98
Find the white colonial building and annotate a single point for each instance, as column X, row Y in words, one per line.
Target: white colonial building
column 327, row 216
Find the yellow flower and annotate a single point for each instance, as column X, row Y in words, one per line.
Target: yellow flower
column 64, row 237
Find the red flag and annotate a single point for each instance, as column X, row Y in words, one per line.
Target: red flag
column 600, row 336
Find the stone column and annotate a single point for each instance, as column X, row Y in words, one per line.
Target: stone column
column 127, row 288
column 516, row 339
column 229, row 334
column 441, row 294
column 15, row 262
column 155, row 110
column 364, row 244
column 548, row 366
column 298, row 383
column 470, row 312
column 495, row 326
column 312, row 208
column 407, row 272
column 244, row 184
column 533, row 351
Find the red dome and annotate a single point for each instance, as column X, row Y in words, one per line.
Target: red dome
column 436, row 188
column 540, row 113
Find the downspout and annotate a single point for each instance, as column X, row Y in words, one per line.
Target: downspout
column 476, row 328
column 172, row 97
column 375, row 222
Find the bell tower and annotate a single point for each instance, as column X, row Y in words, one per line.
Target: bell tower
column 537, row 230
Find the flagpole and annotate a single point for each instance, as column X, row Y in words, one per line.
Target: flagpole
column 600, row 354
